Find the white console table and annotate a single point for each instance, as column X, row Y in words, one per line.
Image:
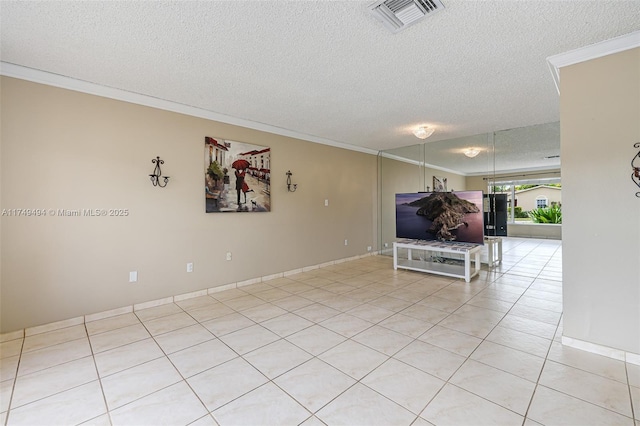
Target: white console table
column 470, row 253
column 494, row 250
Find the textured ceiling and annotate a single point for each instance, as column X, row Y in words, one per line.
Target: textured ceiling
column 322, row 68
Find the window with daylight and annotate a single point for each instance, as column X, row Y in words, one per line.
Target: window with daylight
column 524, row 196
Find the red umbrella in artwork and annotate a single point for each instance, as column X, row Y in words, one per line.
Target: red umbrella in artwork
column 240, row 164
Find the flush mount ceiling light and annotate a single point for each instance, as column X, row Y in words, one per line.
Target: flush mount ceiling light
column 423, row 132
column 471, row 152
column 396, row 15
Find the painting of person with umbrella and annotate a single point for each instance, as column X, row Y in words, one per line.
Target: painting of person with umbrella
column 241, row 167
column 250, row 164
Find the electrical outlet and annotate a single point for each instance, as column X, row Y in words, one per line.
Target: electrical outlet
column 386, row 245
column 326, row 203
column 133, row 276
column 346, row 242
column 229, row 255
column 189, row 267
column 368, row 248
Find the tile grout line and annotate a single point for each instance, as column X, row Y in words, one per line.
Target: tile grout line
column 241, row 356
column 544, row 363
column 415, row 339
column 467, row 358
column 484, row 339
column 313, row 414
column 15, row 382
column 184, row 379
column 95, row 366
column 389, row 357
column 633, row 409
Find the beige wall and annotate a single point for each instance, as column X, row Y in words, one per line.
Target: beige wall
column 67, row 150
column 476, row 183
column 600, row 106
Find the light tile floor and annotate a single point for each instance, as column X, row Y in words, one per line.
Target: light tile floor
column 355, row 343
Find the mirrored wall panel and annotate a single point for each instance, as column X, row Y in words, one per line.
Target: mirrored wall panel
column 518, row 171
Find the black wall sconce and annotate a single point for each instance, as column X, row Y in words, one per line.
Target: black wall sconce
column 157, row 174
column 635, row 166
column 289, row 184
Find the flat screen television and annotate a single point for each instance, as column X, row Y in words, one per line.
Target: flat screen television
column 445, row 216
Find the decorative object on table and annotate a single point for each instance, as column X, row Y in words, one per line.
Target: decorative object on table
column 635, row 165
column 156, row 177
column 439, row 184
column 237, row 176
column 289, row 184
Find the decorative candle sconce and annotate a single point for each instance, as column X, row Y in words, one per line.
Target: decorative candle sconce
column 289, row 184
column 635, row 165
column 157, row 174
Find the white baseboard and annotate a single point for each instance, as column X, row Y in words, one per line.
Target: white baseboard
column 618, row 354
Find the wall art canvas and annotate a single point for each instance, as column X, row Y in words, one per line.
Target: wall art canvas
column 236, row 176
column 439, row 184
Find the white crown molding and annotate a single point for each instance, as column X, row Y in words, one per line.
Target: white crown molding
column 37, row 76
column 523, row 172
column 548, row 169
column 593, row 51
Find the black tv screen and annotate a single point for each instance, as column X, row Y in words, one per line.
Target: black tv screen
column 444, row 216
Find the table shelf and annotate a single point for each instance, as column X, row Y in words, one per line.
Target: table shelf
column 466, row 267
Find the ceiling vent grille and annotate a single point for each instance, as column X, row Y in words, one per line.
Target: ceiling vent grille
column 397, row 15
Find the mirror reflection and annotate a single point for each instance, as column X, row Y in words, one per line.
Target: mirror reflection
column 520, row 167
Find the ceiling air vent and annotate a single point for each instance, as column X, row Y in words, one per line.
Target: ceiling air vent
column 397, row 15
